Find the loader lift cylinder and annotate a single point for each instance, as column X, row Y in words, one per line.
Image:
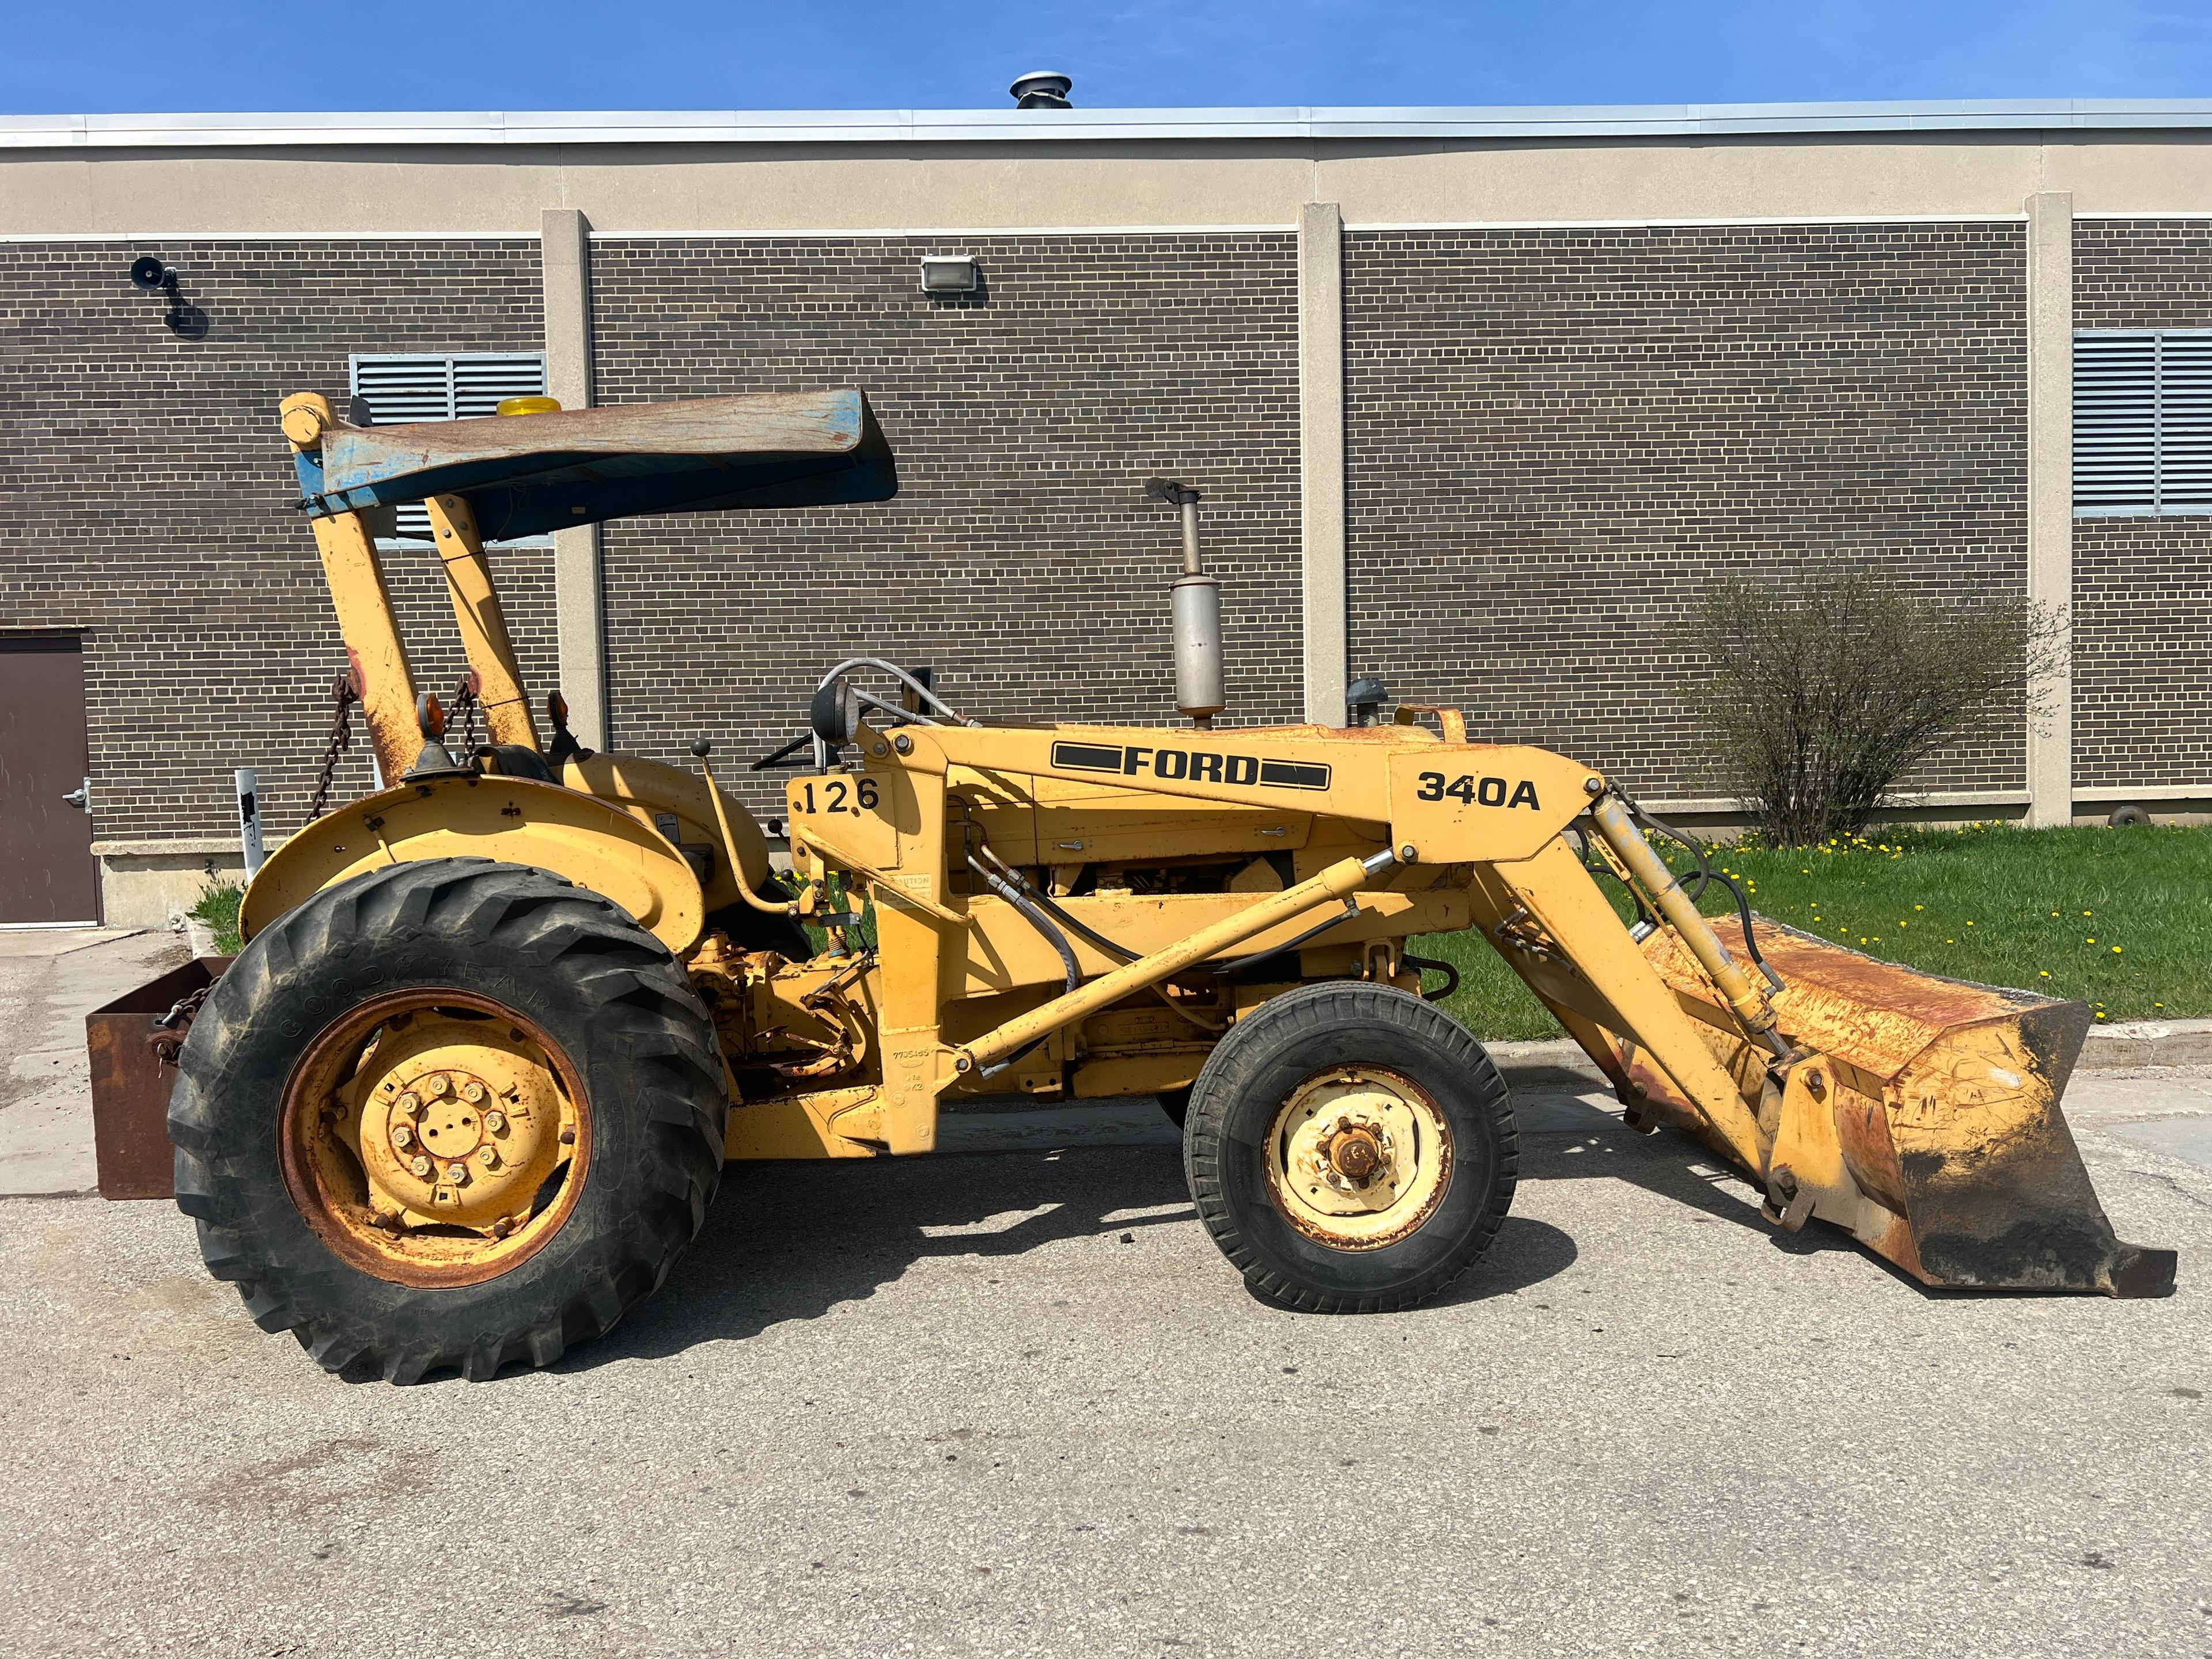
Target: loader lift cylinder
column 1664, row 888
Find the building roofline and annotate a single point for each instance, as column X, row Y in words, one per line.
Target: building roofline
column 751, row 127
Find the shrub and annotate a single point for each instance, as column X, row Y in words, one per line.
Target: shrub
column 1823, row 695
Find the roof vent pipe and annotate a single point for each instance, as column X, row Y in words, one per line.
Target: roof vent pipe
column 1042, row 89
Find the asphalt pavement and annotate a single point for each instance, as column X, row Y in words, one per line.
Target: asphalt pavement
column 1010, row 1401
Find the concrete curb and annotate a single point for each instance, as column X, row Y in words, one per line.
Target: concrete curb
column 2109, row 1048
column 2148, row 1043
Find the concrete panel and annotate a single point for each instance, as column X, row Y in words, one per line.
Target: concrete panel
column 2050, row 498
column 578, row 604
column 1321, row 457
column 1680, row 179
column 657, row 189
column 673, row 192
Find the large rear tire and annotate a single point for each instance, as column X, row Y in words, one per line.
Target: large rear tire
column 451, row 1114
column 1351, row 1148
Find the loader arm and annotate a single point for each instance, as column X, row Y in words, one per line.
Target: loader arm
column 1920, row 1115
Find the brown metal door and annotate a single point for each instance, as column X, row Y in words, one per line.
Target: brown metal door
column 47, row 872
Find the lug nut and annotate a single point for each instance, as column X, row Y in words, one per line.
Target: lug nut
column 495, row 1122
column 472, row 1092
column 502, row 1227
column 435, row 1085
column 457, row 1172
column 567, row 1137
column 402, row 1136
column 488, row 1156
column 422, row 1166
column 407, row 1103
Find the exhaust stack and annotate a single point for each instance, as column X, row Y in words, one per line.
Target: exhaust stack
column 1196, row 605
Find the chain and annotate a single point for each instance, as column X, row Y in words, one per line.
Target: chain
column 166, row 1039
column 343, row 696
column 467, row 704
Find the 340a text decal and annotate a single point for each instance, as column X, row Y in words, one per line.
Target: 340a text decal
column 1473, row 790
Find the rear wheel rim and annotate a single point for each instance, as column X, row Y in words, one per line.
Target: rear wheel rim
column 1358, row 1157
column 434, row 1137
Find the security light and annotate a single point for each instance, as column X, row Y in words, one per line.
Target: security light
column 949, row 273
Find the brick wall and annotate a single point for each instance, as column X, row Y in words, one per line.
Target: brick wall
column 2142, row 587
column 1021, row 558
column 146, row 498
column 1558, row 438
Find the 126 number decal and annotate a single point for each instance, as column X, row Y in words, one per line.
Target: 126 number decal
column 836, row 794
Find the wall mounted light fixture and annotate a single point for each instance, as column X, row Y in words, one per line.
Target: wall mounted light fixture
column 949, row 273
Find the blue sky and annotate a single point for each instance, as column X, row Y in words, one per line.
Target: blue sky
column 129, row 55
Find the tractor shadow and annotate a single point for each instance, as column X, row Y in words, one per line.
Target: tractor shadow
column 790, row 1241
column 1571, row 1130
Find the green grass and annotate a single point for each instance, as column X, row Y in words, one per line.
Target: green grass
column 218, row 908
column 2118, row 919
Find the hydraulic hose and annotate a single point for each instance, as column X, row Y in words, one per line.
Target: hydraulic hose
column 1089, row 935
column 1036, row 918
column 1707, row 874
column 1427, row 963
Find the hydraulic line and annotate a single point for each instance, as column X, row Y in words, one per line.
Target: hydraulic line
column 1422, row 963
column 1089, row 935
column 1611, row 816
column 1092, row 936
column 1707, row 874
column 1036, row 918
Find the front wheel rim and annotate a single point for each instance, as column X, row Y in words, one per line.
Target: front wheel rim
column 1358, row 1158
column 434, row 1137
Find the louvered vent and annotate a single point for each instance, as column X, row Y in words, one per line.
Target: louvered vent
column 2142, row 423
column 403, row 388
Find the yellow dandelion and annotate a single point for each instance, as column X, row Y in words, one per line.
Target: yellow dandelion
column 1920, row 906
column 2115, row 950
column 2046, row 973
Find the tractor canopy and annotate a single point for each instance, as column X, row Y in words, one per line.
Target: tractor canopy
column 526, row 475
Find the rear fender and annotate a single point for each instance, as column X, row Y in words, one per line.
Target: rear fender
column 514, row 820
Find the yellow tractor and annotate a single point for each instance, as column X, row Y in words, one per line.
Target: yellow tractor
column 470, row 1087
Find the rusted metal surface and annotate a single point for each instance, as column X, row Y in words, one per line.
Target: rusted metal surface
column 1952, row 1155
column 429, row 1145
column 1358, row 1158
column 133, row 1068
column 528, row 474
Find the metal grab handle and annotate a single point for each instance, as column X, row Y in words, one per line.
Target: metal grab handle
column 80, row 797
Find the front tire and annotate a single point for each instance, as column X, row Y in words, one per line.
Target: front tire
column 450, row 1113
column 1351, row 1148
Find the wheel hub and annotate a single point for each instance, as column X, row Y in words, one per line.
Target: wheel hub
column 459, row 1136
column 1352, row 1153
column 445, row 1144
column 1358, row 1157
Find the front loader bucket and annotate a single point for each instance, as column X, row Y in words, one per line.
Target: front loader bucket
column 1950, row 1155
